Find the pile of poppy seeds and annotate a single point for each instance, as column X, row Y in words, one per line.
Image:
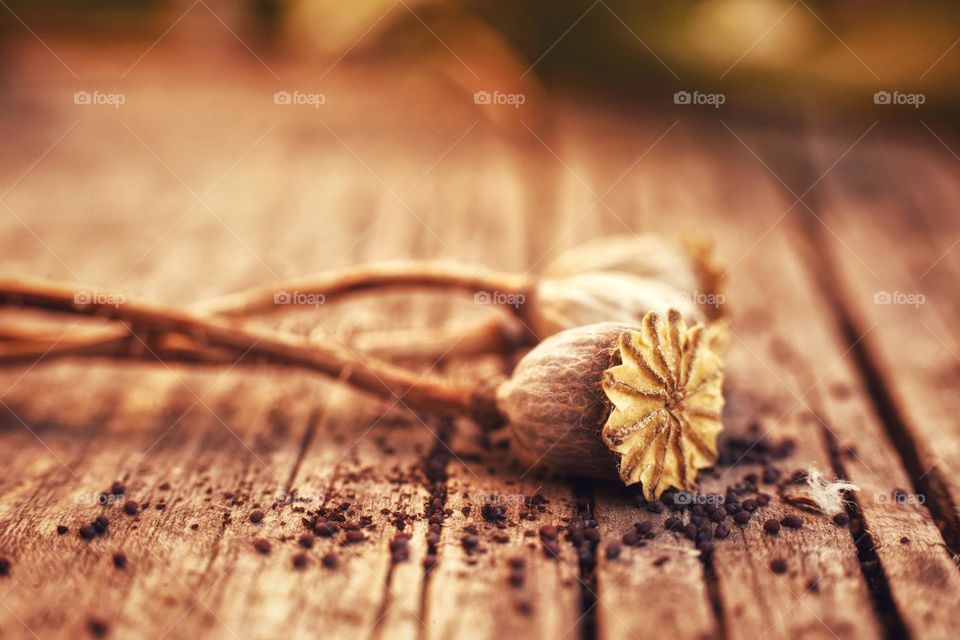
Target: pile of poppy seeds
column 704, row 519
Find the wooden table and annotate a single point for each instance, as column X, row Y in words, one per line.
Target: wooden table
column 199, row 184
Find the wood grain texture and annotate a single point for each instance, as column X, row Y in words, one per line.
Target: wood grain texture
column 764, row 388
column 169, row 200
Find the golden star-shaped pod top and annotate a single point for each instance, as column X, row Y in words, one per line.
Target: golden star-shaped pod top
column 667, row 402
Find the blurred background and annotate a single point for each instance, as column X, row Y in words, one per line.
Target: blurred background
column 770, row 54
column 176, row 126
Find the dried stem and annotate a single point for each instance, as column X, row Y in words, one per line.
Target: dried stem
column 387, row 275
column 368, row 374
column 491, row 336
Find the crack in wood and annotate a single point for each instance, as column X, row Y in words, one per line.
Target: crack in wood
column 589, row 599
column 874, row 575
column 712, row 582
column 435, row 477
column 308, row 434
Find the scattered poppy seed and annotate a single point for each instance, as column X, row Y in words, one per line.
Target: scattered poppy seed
column 841, row 519
column 722, row 531
column 655, row 506
column 120, row 560
column 4, row 567
column 256, row 516
column 771, row 526
column 613, row 551
column 551, row 549
column 61, row 529
column 548, row 532
column 742, row 518
column 399, row 551
column 299, row 561
column 262, row 546
column 779, row 565
column 330, row 561
column 97, row 627
column 904, row 540
column 306, row 541
column 355, row 536
column 131, row 508
column 791, row 521
column 100, row 524
column 87, row 532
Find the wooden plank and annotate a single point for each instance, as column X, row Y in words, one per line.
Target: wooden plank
column 908, row 225
column 752, row 599
column 665, row 572
column 211, row 581
column 900, row 254
column 197, row 465
column 525, row 589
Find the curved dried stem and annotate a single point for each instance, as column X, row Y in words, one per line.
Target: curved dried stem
column 366, row 373
column 381, row 276
column 491, row 336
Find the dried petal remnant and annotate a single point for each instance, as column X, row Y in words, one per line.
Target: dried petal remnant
column 667, row 403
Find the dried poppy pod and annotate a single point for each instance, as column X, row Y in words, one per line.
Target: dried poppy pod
column 586, row 298
column 609, row 399
column 688, row 265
